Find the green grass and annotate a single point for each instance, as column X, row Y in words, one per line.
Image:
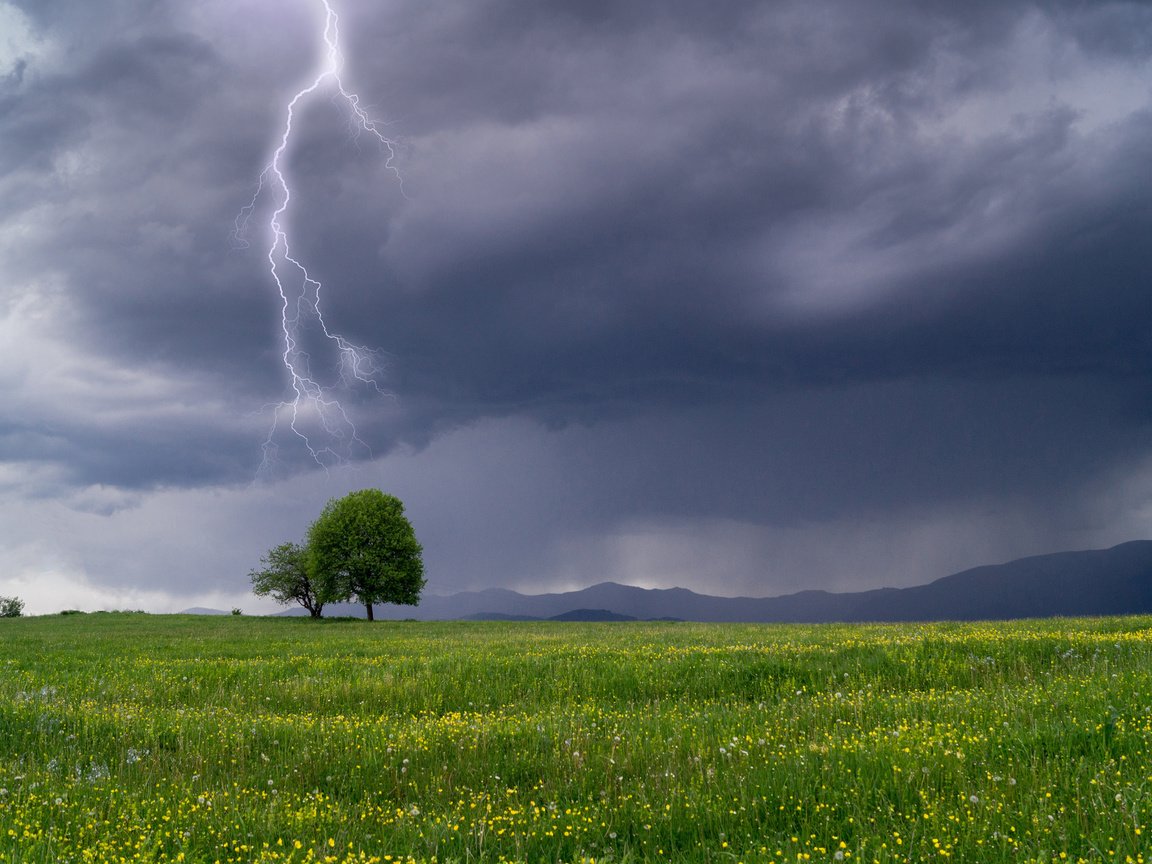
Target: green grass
column 176, row 738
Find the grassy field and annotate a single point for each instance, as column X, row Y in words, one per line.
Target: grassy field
column 127, row 737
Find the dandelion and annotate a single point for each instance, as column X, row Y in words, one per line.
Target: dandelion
column 133, row 755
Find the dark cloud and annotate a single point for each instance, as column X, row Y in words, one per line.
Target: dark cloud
column 772, row 264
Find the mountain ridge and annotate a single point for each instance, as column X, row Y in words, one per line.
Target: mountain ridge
column 1113, row 581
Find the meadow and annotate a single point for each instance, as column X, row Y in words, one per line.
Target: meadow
column 128, row 737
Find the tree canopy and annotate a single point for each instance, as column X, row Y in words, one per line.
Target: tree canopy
column 362, row 546
column 286, row 578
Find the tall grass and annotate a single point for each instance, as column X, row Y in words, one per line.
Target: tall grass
column 175, row 738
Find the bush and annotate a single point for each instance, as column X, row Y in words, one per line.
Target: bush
column 11, row 607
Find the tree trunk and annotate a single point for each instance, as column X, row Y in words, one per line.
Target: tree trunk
column 368, row 606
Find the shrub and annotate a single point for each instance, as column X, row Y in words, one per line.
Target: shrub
column 11, row 607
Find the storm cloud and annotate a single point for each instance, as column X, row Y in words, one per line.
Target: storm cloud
column 747, row 299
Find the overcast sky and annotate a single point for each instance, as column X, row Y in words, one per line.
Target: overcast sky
column 746, row 297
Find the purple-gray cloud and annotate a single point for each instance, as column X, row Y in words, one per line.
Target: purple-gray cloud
column 808, row 282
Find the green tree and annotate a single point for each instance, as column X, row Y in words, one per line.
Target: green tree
column 11, row 607
column 363, row 547
column 286, row 578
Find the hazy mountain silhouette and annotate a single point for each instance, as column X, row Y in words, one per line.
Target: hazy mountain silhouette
column 592, row 615
column 1116, row 581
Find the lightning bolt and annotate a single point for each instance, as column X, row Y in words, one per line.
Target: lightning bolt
column 312, row 413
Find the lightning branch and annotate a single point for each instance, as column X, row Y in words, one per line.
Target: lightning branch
column 312, row 412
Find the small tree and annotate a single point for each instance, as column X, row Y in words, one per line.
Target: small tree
column 286, row 578
column 11, row 607
column 363, row 546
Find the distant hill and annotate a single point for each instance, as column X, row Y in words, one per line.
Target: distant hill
column 1116, row 581
column 592, row 615
column 572, row 615
column 202, row 610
